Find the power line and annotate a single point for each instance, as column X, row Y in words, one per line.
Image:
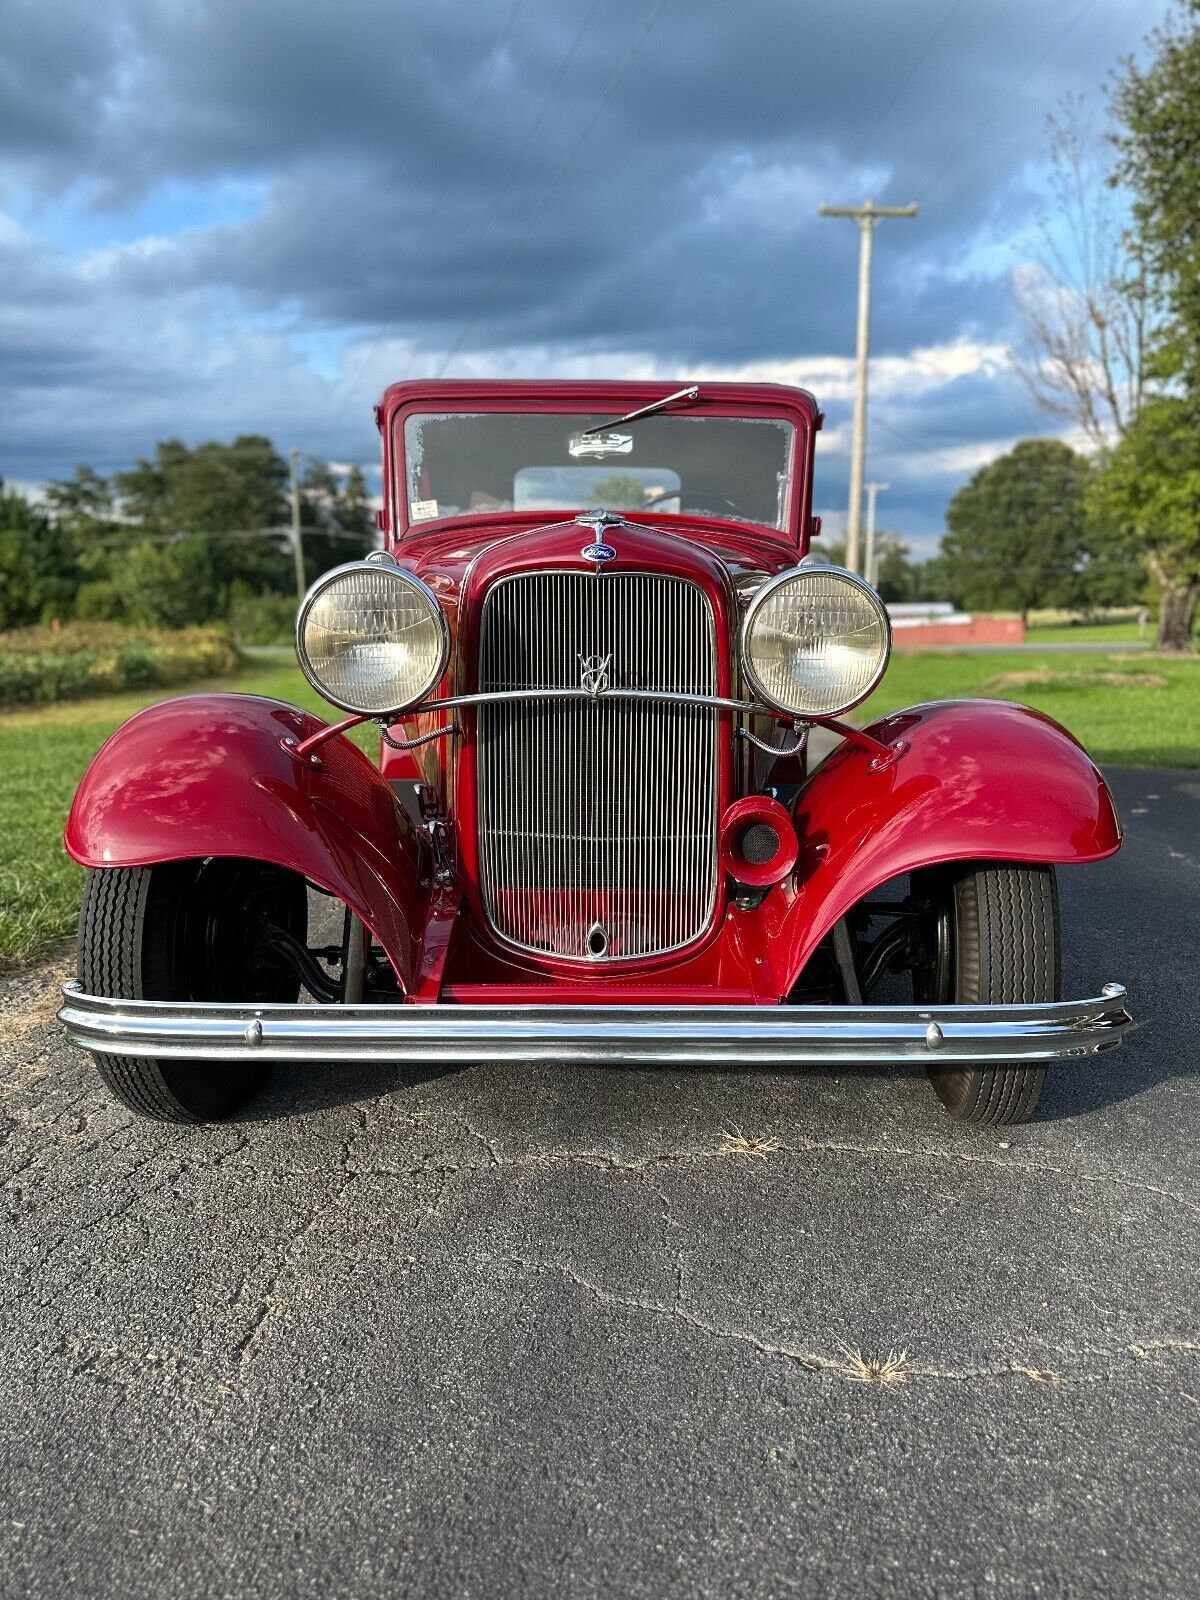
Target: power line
column 924, row 444
column 280, row 534
column 551, row 187
column 1013, row 90
column 955, row 436
column 477, row 100
column 199, row 452
column 535, row 121
column 497, row 50
column 919, row 61
column 566, row 61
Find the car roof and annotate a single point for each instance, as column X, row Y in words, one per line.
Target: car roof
column 593, row 395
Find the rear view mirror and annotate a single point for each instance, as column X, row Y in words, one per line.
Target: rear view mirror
column 599, row 445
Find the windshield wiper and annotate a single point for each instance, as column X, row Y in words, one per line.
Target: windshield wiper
column 689, row 394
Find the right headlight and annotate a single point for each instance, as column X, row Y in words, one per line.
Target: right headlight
column 371, row 638
column 815, row 641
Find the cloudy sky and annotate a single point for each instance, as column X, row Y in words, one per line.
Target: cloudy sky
column 248, row 215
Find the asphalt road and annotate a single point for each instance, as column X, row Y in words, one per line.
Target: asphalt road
column 528, row 1332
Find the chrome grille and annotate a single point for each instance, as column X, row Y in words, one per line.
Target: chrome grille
column 597, row 818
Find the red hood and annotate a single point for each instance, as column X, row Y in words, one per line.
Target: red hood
column 524, row 540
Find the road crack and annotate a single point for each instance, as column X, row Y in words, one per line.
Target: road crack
column 608, row 1161
column 271, row 1299
column 847, row 1365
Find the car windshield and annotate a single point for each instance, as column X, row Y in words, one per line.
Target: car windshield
column 470, row 464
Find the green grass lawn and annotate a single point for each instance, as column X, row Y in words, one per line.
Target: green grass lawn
column 1153, row 722
column 1095, row 632
column 43, row 754
column 1089, row 633
column 1127, row 710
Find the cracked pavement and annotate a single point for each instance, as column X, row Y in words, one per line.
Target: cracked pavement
column 522, row 1331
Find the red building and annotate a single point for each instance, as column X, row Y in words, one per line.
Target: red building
column 922, row 625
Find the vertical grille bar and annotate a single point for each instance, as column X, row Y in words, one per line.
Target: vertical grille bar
column 597, row 813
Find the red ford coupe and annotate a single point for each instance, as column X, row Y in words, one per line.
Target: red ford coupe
column 596, row 645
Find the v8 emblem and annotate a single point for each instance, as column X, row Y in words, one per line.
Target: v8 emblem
column 593, row 675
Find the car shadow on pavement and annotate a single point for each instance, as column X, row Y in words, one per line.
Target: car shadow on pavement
column 1076, row 1089
column 1072, row 1090
column 301, row 1090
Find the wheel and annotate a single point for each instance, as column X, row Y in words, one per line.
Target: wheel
column 187, row 930
column 995, row 940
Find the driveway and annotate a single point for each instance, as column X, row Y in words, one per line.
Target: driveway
column 558, row 1331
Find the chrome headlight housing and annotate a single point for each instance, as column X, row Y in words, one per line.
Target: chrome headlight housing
column 371, row 637
column 815, row 641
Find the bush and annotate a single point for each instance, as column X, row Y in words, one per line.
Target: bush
column 262, row 618
column 101, row 600
column 39, row 666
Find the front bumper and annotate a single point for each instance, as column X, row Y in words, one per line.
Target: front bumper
column 789, row 1035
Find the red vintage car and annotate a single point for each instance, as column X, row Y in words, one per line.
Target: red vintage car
column 594, row 832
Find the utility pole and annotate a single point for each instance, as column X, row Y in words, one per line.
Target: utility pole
column 297, row 547
column 871, row 564
column 867, row 216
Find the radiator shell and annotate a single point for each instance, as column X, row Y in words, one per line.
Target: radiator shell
column 597, row 819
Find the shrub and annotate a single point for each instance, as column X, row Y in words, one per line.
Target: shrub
column 39, row 666
column 262, row 618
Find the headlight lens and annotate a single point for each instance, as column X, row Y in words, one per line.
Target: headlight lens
column 371, row 638
column 815, row 641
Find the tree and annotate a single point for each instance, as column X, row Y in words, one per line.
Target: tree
column 83, row 504
column 1019, row 532
column 355, row 509
column 1157, row 108
column 215, row 488
column 1150, row 481
column 895, row 574
column 83, row 509
column 931, row 581
column 234, row 490
column 620, row 491
column 173, row 584
column 1084, row 299
column 336, row 520
column 38, row 573
column 1150, row 485
column 898, row 576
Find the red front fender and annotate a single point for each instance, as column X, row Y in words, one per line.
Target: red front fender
column 207, row 775
column 980, row 780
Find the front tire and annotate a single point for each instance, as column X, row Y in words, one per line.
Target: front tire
column 995, row 941
column 186, row 930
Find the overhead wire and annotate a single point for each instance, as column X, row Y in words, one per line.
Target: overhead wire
column 535, row 121
column 1012, row 91
column 551, row 187
column 477, row 101
column 949, row 168
column 917, row 63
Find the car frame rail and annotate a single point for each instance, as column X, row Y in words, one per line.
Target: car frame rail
column 798, row 1035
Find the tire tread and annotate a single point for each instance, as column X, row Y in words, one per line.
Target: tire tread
column 1007, row 951
column 112, row 928
column 132, row 946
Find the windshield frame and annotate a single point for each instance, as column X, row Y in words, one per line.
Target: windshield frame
column 753, row 402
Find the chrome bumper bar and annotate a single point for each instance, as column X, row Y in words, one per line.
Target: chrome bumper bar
column 790, row 1035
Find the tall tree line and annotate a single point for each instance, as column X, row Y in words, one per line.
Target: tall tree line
column 185, row 536
column 1112, row 311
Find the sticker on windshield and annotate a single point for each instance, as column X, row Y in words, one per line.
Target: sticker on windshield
column 422, row 510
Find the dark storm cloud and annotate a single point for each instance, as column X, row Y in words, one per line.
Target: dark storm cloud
column 408, row 157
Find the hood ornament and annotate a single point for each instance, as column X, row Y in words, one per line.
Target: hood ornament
column 599, row 550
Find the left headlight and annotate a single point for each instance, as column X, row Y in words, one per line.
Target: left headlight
column 815, row 641
column 371, row 638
